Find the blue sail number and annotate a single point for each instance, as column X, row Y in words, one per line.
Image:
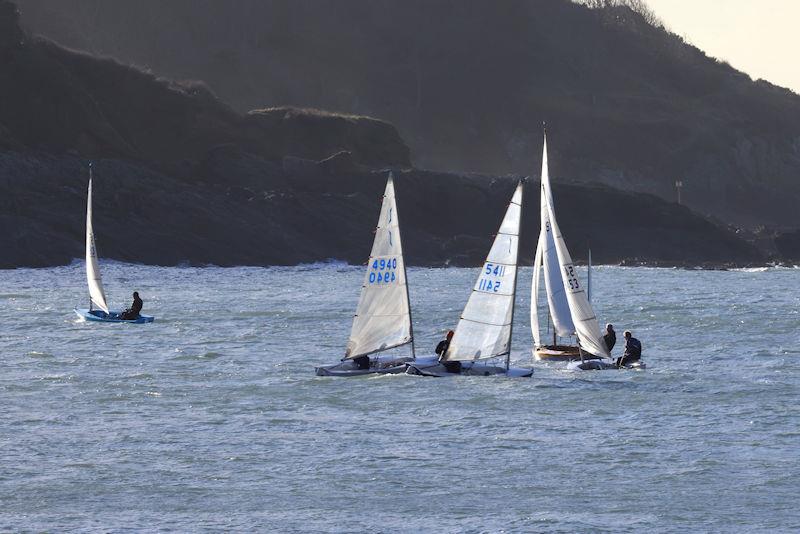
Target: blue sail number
column 490, row 280
column 383, row 271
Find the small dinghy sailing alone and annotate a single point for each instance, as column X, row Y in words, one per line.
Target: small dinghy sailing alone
column 546, row 259
column 97, row 296
column 383, row 315
column 484, row 329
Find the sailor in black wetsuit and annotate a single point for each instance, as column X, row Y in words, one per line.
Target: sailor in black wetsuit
column 441, row 350
column 361, row 362
column 133, row 312
column 633, row 350
column 610, row 337
column 444, row 344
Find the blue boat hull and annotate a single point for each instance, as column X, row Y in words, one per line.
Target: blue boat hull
column 100, row 316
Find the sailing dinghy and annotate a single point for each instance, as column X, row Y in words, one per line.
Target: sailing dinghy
column 383, row 315
column 98, row 308
column 481, row 344
column 546, row 259
column 592, row 350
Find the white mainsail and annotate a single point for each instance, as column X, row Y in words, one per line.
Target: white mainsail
column 556, row 294
column 96, row 293
column 383, row 315
column 484, row 330
column 583, row 316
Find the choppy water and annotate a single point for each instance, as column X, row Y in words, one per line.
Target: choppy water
column 211, row 418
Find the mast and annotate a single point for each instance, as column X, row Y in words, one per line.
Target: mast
column 408, row 296
column 90, row 200
column 516, row 277
column 589, row 278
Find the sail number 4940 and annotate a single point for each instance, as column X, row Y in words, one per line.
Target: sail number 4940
column 383, row 271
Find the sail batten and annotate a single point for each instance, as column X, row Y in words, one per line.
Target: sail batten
column 581, row 312
column 484, row 329
column 383, row 316
column 96, row 293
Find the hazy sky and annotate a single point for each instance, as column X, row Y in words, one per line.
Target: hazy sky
column 759, row 37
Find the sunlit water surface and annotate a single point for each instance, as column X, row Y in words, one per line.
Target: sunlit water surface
column 212, row 418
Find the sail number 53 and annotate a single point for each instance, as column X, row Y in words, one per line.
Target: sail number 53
column 383, row 271
column 572, row 280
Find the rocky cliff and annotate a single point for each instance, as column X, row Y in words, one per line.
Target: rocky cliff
column 183, row 178
column 469, row 83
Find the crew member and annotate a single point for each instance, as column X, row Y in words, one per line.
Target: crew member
column 133, row 312
column 361, row 362
column 441, row 350
column 633, row 350
column 444, row 344
column 610, row 337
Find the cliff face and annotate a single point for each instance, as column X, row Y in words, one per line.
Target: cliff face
column 314, row 212
column 58, row 100
column 182, row 178
column 469, row 83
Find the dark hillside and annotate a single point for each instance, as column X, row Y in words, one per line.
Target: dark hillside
column 182, row 178
column 59, row 100
column 143, row 215
column 469, row 83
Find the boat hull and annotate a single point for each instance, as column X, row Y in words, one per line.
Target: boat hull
column 377, row 367
column 434, row 368
column 99, row 316
column 602, row 365
column 561, row 353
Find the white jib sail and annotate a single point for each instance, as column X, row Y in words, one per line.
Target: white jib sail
column 96, row 293
column 484, row 330
column 383, row 316
column 583, row 316
column 537, row 269
column 556, row 294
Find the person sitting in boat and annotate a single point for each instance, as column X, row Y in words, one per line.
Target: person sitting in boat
column 444, row 344
column 633, row 350
column 441, row 350
column 133, row 312
column 361, row 362
column 610, row 337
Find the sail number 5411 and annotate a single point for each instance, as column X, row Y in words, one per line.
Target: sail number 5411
column 489, row 277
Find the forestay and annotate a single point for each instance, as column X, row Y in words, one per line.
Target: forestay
column 484, row 330
column 383, row 317
column 96, row 293
column 537, row 269
column 556, row 294
column 583, row 316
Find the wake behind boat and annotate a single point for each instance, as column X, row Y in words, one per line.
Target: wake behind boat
column 481, row 345
column 97, row 296
column 383, row 316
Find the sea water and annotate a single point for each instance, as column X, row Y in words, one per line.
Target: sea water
column 211, row 418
